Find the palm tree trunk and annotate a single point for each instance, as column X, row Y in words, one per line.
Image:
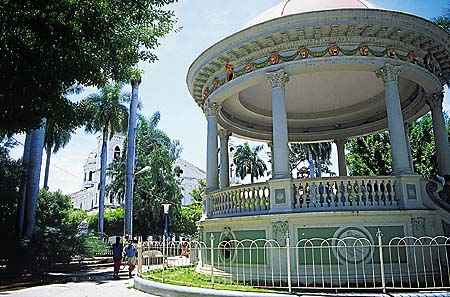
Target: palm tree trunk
column 47, row 166
column 101, row 198
column 131, row 156
column 36, row 150
column 23, row 185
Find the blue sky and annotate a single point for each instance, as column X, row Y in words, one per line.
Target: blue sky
column 164, row 87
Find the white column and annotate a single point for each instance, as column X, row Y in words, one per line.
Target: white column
column 408, row 143
column 212, row 182
column 224, row 135
column 342, row 162
column 278, row 80
column 400, row 162
column 440, row 133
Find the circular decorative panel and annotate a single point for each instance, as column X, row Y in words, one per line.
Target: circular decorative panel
column 353, row 244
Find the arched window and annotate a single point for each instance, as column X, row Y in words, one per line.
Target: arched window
column 116, row 153
column 90, row 175
column 111, row 198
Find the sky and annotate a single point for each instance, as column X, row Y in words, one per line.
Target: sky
column 164, row 89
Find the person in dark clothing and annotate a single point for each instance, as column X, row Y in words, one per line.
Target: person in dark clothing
column 117, row 257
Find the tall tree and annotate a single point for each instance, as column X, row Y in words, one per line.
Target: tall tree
column 131, row 152
column 48, row 46
column 316, row 154
column 34, row 174
column 158, row 184
column 109, row 116
column 248, row 162
column 55, row 139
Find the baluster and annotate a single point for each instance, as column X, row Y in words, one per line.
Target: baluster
column 251, row 193
column 307, row 195
column 349, row 193
column 300, row 195
column 383, row 193
column 369, row 193
column 227, row 195
column 363, row 190
column 357, row 192
column 376, row 192
column 328, row 193
column 267, row 198
column 321, row 193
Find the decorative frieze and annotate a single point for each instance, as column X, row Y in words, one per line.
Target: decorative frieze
column 232, row 71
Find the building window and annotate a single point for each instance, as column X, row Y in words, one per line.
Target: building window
column 90, row 175
column 84, row 176
column 117, row 153
column 111, row 198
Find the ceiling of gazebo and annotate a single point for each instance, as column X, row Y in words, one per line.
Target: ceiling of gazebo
column 289, row 7
column 317, row 102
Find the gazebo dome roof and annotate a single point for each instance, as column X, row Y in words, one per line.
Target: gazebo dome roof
column 289, row 7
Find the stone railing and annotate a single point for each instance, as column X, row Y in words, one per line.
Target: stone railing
column 345, row 193
column 318, row 194
column 241, row 200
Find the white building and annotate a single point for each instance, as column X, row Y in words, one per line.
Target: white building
column 87, row 198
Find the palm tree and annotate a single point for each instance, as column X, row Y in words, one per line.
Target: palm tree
column 317, row 154
column 247, row 161
column 131, row 155
column 55, row 138
column 108, row 115
column 37, row 137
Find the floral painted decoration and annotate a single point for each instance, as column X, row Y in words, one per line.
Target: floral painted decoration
column 215, row 84
column 274, row 58
column 229, row 69
column 205, row 92
column 364, row 51
column 391, row 53
column 412, row 57
column 304, row 52
column 334, row 50
column 249, row 67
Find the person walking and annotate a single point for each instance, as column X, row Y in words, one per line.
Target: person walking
column 131, row 254
column 117, row 249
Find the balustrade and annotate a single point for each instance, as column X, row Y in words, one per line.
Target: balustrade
column 252, row 199
column 309, row 195
column 345, row 193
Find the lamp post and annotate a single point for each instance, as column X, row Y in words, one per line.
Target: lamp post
column 166, row 219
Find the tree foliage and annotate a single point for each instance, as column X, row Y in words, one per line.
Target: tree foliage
column 371, row 155
column 155, row 186
column 248, row 162
column 186, row 221
column 114, row 218
column 49, row 46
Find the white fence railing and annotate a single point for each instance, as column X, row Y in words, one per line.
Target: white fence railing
column 326, row 264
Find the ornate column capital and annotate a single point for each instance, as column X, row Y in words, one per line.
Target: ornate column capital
column 224, row 133
column 389, row 72
column 278, row 79
column 211, row 108
column 435, row 100
column 340, row 141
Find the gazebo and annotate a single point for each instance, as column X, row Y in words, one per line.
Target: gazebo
column 322, row 70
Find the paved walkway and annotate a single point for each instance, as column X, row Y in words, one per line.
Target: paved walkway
column 107, row 288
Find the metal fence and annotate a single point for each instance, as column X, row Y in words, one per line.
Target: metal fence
column 327, row 264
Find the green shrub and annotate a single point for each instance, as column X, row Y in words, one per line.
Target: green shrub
column 113, row 222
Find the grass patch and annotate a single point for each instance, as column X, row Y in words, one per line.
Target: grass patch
column 187, row 276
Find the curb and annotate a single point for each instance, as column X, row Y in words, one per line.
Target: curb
column 161, row 289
